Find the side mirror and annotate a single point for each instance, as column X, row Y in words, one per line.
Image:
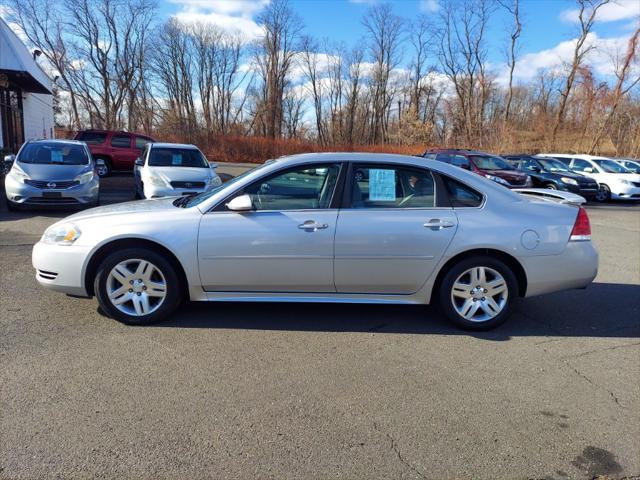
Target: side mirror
column 8, row 162
column 139, row 162
column 588, row 170
column 213, row 165
column 534, row 168
column 241, row 203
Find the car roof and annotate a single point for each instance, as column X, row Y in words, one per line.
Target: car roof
column 463, row 151
column 580, row 156
column 173, row 145
column 61, row 141
column 116, row 132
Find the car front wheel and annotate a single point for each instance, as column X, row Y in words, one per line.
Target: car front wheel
column 478, row 293
column 604, row 194
column 103, row 167
column 137, row 286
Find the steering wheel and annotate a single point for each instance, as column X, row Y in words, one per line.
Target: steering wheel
column 264, row 188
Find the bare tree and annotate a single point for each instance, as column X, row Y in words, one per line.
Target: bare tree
column 384, row 30
column 513, row 8
column 623, row 85
column 312, row 70
column 587, row 11
column 275, row 53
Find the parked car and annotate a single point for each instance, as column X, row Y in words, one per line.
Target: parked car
column 52, row 173
column 631, row 165
column 171, row 169
column 614, row 181
column 489, row 166
column 553, row 174
column 304, row 228
column 113, row 150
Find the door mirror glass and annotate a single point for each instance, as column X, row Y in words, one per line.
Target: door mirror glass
column 588, row 169
column 241, row 203
column 139, row 162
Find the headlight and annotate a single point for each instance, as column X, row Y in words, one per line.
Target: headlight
column 85, row 177
column 626, row 182
column 214, row 182
column 499, row 180
column 18, row 174
column 157, row 180
column 568, row 180
column 62, row 234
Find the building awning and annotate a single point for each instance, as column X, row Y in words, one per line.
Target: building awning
column 17, row 64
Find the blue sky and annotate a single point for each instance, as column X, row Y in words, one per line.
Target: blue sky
column 549, row 25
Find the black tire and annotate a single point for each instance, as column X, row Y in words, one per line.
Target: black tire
column 551, row 186
column 604, row 193
column 12, row 207
column 172, row 298
column 446, row 286
column 105, row 169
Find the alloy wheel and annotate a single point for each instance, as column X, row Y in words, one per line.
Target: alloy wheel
column 479, row 294
column 136, row 287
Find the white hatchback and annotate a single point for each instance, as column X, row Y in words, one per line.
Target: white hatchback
column 614, row 181
column 173, row 169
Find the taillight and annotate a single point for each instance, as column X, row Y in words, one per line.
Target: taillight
column 582, row 228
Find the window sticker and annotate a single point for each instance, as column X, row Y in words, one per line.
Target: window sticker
column 176, row 159
column 382, row 185
column 56, row 156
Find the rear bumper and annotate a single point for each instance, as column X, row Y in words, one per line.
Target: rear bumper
column 60, row 267
column 576, row 267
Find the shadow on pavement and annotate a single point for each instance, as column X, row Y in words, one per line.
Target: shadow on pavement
column 602, row 310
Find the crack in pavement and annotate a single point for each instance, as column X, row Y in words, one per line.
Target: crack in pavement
column 611, row 394
column 394, row 447
column 596, row 350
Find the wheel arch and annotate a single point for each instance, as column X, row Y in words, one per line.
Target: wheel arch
column 104, row 250
column 515, row 266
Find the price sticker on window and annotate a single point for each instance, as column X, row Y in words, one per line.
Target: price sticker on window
column 176, row 159
column 56, row 156
column 382, row 185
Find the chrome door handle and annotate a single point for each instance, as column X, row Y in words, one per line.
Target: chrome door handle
column 312, row 225
column 437, row 224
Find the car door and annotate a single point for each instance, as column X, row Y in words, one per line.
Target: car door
column 587, row 168
column 285, row 244
column 122, row 153
column 391, row 234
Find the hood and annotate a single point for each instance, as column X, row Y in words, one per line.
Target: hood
column 508, row 175
column 633, row 177
column 52, row 172
column 138, row 206
column 576, row 176
column 182, row 174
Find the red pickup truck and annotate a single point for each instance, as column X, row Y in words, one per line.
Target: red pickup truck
column 113, row 150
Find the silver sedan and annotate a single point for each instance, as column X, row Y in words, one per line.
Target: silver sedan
column 331, row 227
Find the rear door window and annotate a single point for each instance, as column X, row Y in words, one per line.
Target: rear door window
column 121, row 141
column 580, row 165
column 460, row 161
column 92, row 138
column 141, row 142
column 460, row 194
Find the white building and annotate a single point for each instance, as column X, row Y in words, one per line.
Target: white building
column 26, row 100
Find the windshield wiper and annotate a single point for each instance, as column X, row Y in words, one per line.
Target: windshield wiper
column 182, row 201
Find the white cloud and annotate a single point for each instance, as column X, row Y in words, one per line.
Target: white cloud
column 611, row 12
column 234, row 16
column 429, row 6
column 600, row 58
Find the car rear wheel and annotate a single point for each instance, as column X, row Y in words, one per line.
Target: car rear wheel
column 604, row 194
column 477, row 293
column 103, row 167
column 137, row 286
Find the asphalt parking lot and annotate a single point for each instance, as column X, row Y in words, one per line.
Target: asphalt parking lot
column 318, row 391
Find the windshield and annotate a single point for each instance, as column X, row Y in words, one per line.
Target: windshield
column 490, row 163
column 177, row 157
column 53, row 153
column 201, row 197
column 609, row 166
column 553, row 165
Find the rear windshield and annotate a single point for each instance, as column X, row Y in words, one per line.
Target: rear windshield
column 610, row 166
column 51, row 153
column 490, row 163
column 177, row 157
column 92, row 138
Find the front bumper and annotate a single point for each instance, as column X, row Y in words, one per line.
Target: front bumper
column 61, row 267
column 625, row 192
column 156, row 191
column 575, row 267
column 22, row 194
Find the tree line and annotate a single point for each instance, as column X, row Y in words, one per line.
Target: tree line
column 421, row 81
